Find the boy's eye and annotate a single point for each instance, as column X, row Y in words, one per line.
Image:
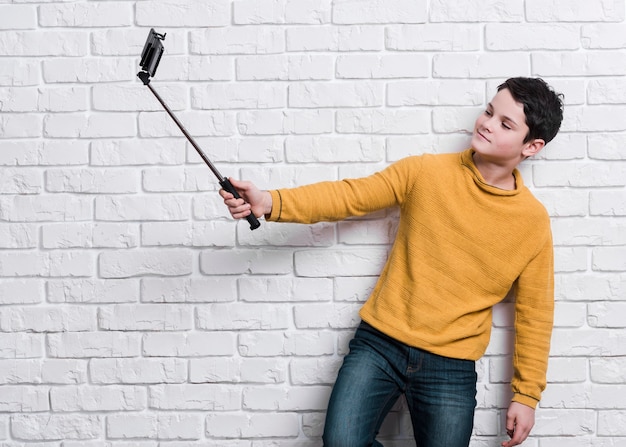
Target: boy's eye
column 506, row 126
column 488, row 112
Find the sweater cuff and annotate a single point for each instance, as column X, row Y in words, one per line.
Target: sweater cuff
column 277, row 206
column 525, row 400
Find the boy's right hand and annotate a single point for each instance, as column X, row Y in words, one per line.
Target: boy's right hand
column 252, row 200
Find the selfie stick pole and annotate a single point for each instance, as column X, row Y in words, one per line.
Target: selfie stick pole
column 224, row 182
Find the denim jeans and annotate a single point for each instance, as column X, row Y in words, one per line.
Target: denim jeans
column 440, row 393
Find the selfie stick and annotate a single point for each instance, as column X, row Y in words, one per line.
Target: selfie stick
column 150, row 57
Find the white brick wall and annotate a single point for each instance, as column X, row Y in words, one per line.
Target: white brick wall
column 135, row 312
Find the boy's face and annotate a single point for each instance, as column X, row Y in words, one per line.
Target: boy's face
column 500, row 130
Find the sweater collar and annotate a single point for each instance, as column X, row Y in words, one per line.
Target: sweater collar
column 468, row 162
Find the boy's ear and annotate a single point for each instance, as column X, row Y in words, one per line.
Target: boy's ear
column 533, row 147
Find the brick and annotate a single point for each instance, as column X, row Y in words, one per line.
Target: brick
column 583, row 397
column 126, row 264
column 44, row 43
column 346, row 94
column 567, row 370
column 49, row 264
column 19, row 72
column 591, row 63
column 64, row 372
column 86, row 70
column 235, row 316
column 142, row 208
column 145, row 317
column 573, row 204
column 18, row 17
column 391, row 121
column 609, row 259
column 205, row 397
column 354, row 262
column 237, row 40
column 310, row 398
column 20, row 181
column 94, row 181
column 48, row 319
column 94, row 398
column 346, row 148
column 528, row 36
column 285, row 289
column 193, row 13
column 590, row 231
column 239, row 96
column 94, row 125
column 30, row 153
column 23, row 399
column 21, row 99
column 249, row 12
column 235, row 262
column 579, row 174
column 487, row 65
column 587, row 342
column 314, row 371
column 283, row 123
column 18, row 235
column 236, row 370
column 574, row 11
column 55, row 427
column 302, row 343
column 137, row 371
column 188, row 344
column 435, row 92
column 255, row 425
column 314, row 316
column 285, row 68
column 607, row 370
column 602, row 36
column 21, row 346
column 344, row 38
column 161, row 426
column 605, row 147
column 589, row 287
column 377, row 11
column 433, row 37
column 607, row 203
column 200, row 234
column 21, row 292
column 476, row 11
column 177, row 180
column 92, row 291
column 382, row 67
column 162, row 151
column 20, row 126
column 85, row 15
column 188, row 290
column 612, row 423
column 93, row 345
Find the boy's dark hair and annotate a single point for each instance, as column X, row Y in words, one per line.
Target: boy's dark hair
column 542, row 106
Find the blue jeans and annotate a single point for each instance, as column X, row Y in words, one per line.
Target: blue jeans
column 440, row 393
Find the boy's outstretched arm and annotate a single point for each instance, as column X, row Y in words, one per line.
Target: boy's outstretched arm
column 252, row 200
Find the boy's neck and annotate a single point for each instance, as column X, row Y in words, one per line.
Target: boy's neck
column 496, row 175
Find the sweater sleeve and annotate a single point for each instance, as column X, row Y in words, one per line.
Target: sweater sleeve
column 333, row 201
column 534, row 314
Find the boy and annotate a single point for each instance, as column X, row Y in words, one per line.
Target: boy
column 469, row 231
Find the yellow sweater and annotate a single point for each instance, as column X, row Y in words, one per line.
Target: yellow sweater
column 461, row 245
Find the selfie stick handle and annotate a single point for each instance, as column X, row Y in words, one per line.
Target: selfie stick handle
column 224, row 182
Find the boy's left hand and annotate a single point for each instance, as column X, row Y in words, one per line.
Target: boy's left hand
column 520, row 419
